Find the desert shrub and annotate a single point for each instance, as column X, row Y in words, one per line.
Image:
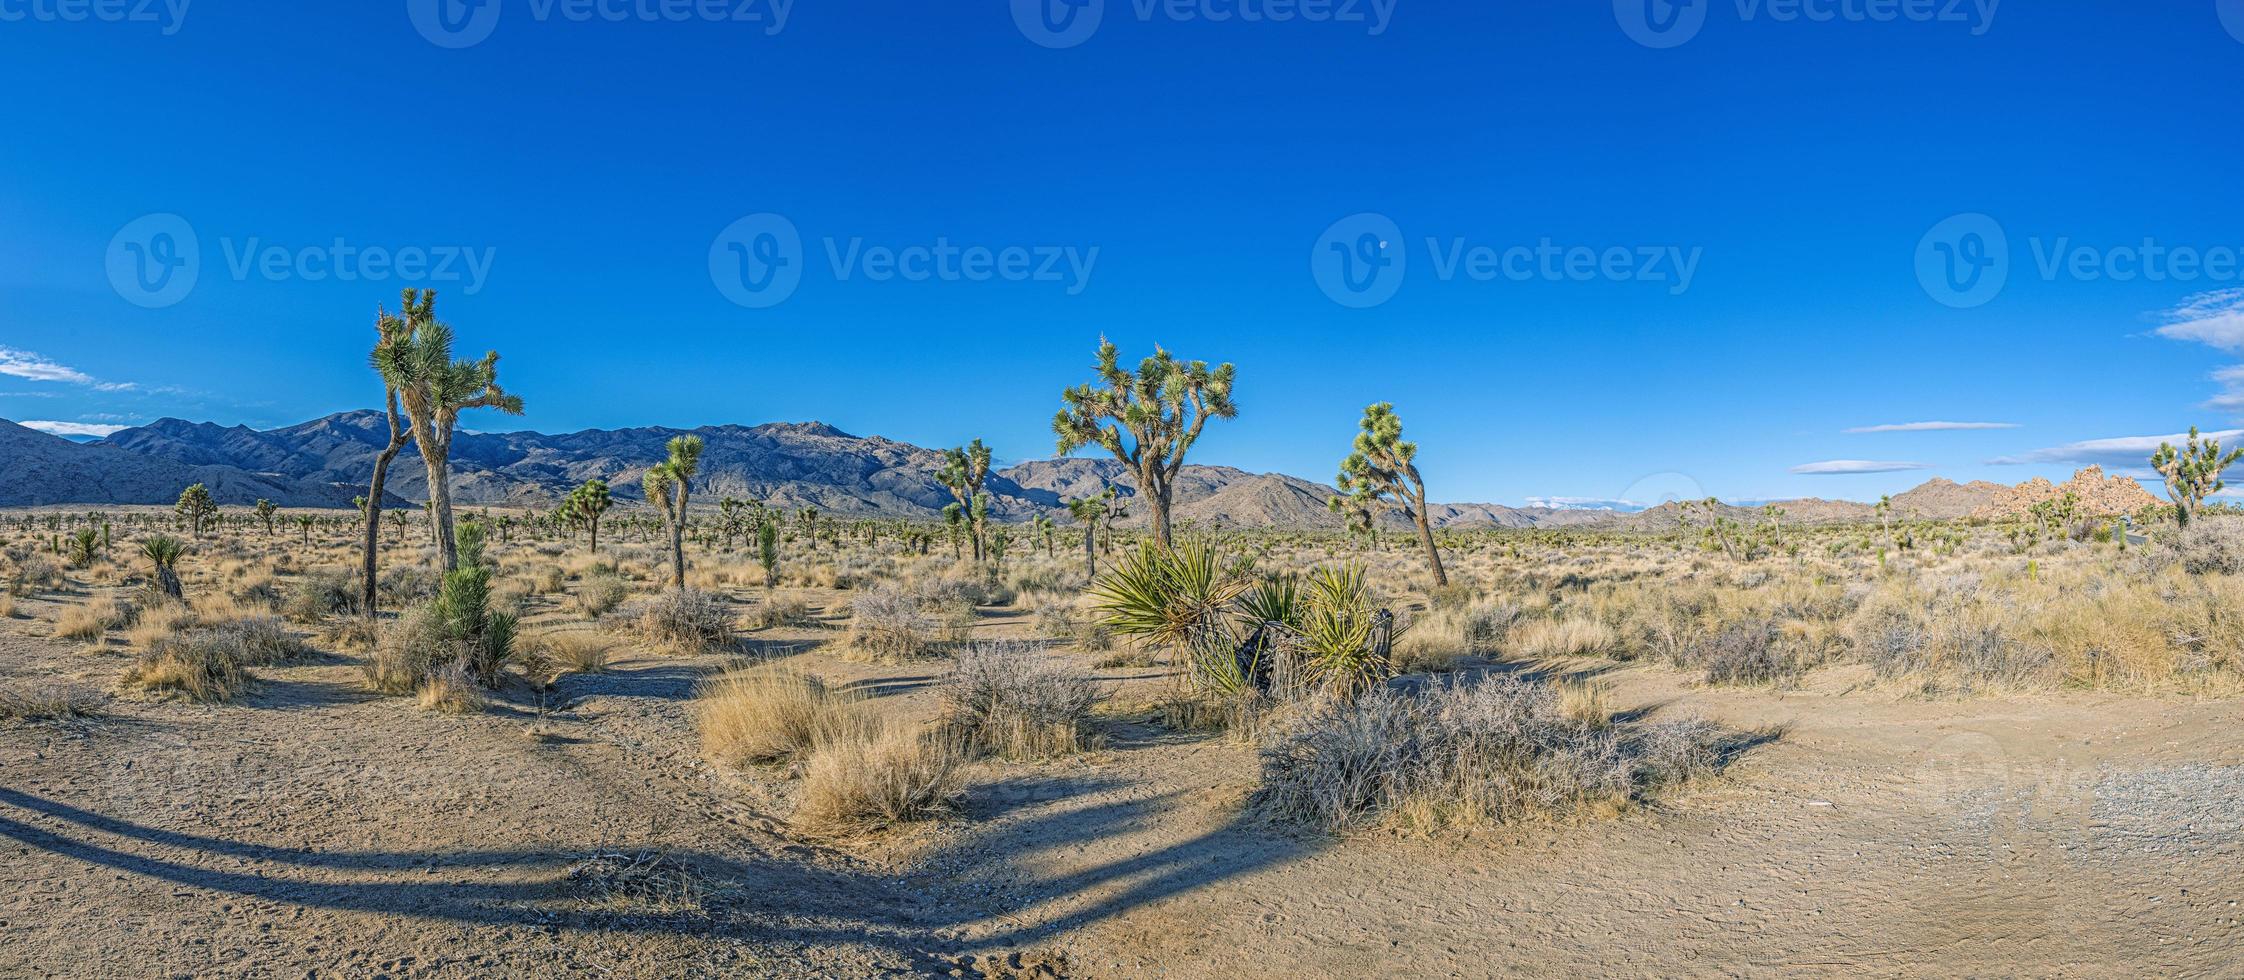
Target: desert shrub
column 410, row 649
column 317, row 596
column 1571, row 637
column 642, row 881
column 2212, row 545
column 1055, row 621
column 548, row 579
column 768, row 714
column 84, row 623
column 1456, row 595
column 1499, row 749
column 680, row 620
column 405, row 585
column 782, row 610
column 449, row 689
column 1750, row 651
column 601, row 593
column 7, row 606
column 35, row 573
column 199, row 665
column 257, row 642
column 878, row 779
column 20, row 704
column 1007, row 699
column 888, row 624
column 573, row 652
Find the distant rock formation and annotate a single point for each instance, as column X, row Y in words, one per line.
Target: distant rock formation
column 2097, row 495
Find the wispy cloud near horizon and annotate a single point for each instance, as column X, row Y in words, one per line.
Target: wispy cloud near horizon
column 34, row 367
column 1934, row 427
column 2215, row 319
column 1840, row 467
column 2119, row 451
column 52, row 428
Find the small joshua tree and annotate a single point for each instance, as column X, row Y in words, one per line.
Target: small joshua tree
column 963, row 471
column 767, row 551
column 163, row 554
column 196, row 506
column 1148, row 419
column 1088, row 512
column 667, row 486
column 585, row 505
column 265, row 510
column 2193, row 473
column 305, row 522
column 1382, row 472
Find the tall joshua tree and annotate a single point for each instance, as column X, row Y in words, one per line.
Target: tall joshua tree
column 667, row 485
column 963, row 471
column 1088, row 512
column 586, row 504
column 196, row 506
column 393, row 335
column 1382, row 472
column 1148, row 419
column 434, row 389
column 265, row 510
column 2192, row 474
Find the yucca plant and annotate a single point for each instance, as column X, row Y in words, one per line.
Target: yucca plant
column 1340, row 645
column 163, row 552
column 85, row 543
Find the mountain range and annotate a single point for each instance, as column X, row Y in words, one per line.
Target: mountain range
column 325, row 462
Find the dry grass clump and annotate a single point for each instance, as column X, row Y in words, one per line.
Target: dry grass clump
column 2212, row 546
column 197, row 665
column 449, row 690
column 877, row 780
column 601, row 593
column 572, row 652
column 887, row 624
column 49, row 702
column 1450, row 633
column 1570, row 637
column 1009, row 700
column 782, row 610
column 317, row 596
column 770, row 714
column 7, row 606
column 84, row 623
column 686, row 621
column 643, row 881
column 1496, row 750
column 157, row 622
column 410, row 649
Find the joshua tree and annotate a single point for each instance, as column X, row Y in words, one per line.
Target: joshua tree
column 954, row 517
column 163, row 552
column 196, row 506
column 1088, row 512
column 585, row 504
column 1148, row 419
column 393, row 340
column 435, row 389
column 1382, row 472
column 732, row 511
column 767, row 551
column 1043, row 526
column 305, row 522
column 963, row 471
column 667, row 485
column 265, row 511
column 2192, row 474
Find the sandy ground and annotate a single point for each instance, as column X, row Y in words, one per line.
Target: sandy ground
column 313, row 830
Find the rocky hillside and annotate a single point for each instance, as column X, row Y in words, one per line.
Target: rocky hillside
column 2099, row 495
column 38, row 469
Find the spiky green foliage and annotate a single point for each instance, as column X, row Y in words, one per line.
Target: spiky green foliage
column 2193, row 473
column 585, row 505
column 1382, row 474
column 1339, row 646
column 667, row 486
column 265, row 510
column 434, row 388
column 196, row 506
column 767, row 551
column 163, row 553
column 963, row 471
column 84, row 545
column 1148, row 418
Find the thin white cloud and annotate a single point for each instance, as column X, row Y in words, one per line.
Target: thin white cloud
column 2215, row 319
column 1835, row 467
column 2127, row 451
column 1933, row 426
column 1584, row 503
column 74, row 428
column 32, row 367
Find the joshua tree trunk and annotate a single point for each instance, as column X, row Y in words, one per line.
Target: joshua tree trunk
column 1154, row 486
column 1091, row 550
column 168, row 580
column 436, row 454
column 374, row 493
column 1433, row 554
column 595, row 523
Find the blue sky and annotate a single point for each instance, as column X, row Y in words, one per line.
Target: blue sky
column 1800, row 168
